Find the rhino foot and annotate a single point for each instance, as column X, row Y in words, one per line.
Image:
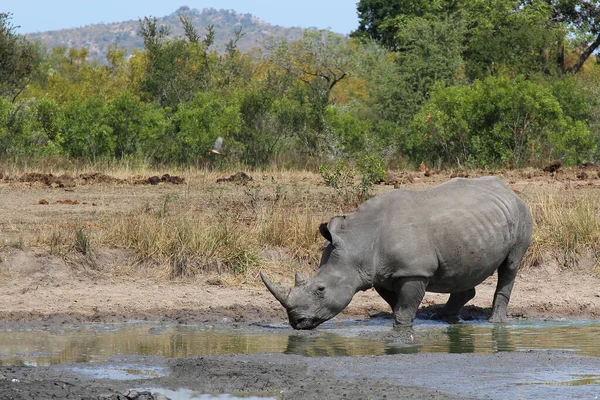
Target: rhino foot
column 498, row 319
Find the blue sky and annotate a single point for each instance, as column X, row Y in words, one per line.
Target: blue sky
column 43, row 15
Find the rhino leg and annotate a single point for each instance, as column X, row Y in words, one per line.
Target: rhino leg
column 506, row 279
column 410, row 292
column 390, row 297
column 454, row 305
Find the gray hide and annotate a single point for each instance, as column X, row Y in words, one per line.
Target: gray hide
column 445, row 239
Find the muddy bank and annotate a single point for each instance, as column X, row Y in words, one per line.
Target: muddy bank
column 531, row 375
column 42, row 292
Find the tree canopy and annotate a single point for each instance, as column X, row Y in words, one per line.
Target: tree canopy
column 479, row 83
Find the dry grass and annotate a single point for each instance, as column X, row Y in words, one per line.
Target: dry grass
column 566, row 224
column 222, row 228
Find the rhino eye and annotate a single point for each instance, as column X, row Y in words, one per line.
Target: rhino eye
column 320, row 290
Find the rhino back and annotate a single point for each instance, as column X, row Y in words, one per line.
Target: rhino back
column 455, row 234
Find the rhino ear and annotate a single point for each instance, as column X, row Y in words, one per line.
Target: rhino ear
column 328, row 231
column 336, row 223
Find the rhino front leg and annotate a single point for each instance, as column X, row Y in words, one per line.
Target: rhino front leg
column 390, row 297
column 410, row 292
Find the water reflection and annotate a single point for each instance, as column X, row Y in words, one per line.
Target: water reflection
column 501, row 338
column 461, row 339
column 98, row 342
column 333, row 345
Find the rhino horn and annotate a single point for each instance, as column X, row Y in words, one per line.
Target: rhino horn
column 280, row 293
column 300, row 280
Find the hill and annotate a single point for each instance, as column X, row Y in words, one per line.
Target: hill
column 98, row 37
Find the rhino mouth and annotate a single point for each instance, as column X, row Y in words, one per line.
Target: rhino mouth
column 304, row 323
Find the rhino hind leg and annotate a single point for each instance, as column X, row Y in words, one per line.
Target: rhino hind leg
column 455, row 303
column 507, row 273
column 410, row 292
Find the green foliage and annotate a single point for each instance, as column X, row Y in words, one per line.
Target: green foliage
column 496, row 122
column 19, row 59
column 135, row 126
column 374, row 15
column 347, row 134
column 430, row 52
column 86, row 133
column 260, row 134
column 196, row 125
column 371, row 169
column 509, row 35
column 83, row 243
column 341, row 178
column 477, row 83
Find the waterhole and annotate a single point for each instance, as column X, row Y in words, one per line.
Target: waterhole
column 342, row 338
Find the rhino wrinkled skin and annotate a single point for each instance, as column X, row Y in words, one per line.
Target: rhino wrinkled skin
column 446, row 239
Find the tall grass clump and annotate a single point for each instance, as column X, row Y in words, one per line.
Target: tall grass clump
column 566, row 224
column 292, row 229
column 187, row 243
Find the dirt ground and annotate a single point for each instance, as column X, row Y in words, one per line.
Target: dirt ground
column 47, row 299
column 41, row 290
column 36, row 285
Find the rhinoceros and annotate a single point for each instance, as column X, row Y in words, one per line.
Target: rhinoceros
column 445, row 239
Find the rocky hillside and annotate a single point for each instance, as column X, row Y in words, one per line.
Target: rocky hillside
column 99, row 37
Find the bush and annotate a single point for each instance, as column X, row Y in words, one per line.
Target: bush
column 341, row 178
column 196, row 125
column 494, row 123
column 346, row 134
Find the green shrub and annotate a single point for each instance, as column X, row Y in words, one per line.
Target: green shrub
column 341, row 178
column 495, row 122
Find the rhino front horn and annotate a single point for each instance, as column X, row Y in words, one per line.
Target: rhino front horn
column 300, row 280
column 280, row 293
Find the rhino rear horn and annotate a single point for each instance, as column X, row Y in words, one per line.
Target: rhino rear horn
column 300, row 280
column 280, row 293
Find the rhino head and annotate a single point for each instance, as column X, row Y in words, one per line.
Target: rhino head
column 312, row 301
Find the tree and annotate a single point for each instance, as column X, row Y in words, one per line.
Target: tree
column 374, row 17
column 508, row 37
column 19, row 59
column 319, row 56
column 429, row 52
column 582, row 18
column 320, row 60
column 176, row 68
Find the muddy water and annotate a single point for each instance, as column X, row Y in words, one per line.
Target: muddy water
column 95, row 343
column 355, row 359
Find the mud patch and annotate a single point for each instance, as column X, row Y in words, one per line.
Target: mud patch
column 240, row 178
column 98, row 177
column 155, row 180
column 48, row 179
